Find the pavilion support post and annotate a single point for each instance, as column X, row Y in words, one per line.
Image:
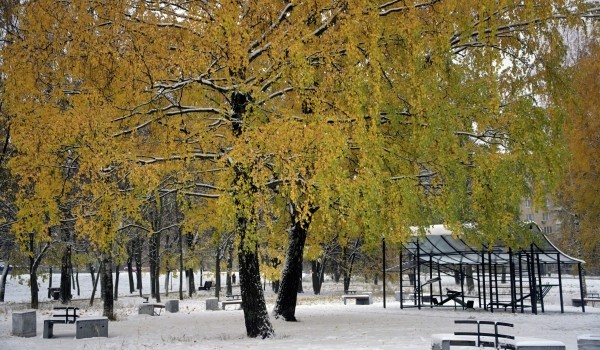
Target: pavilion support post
column 430, row 284
column 490, row 281
column 560, row 289
column 400, row 275
column 581, row 292
column 521, row 280
column 478, row 284
column 384, row 269
column 439, row 280
column 513, row 282
column 418, row 276
column 462, row 285
column 496, row 284
column 533, row 285
column 539, row 282
column 485, row 306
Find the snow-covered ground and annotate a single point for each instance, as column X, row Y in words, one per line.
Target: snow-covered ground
column 324, row 322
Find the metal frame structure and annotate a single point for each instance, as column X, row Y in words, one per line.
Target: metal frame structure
column 439, row 251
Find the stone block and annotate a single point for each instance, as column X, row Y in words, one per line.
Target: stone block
column 146, row 309
column 172, row 305
column 538, row 344
column 24, row 324
column 212, row 304
column 91, row 327
column 588, row 342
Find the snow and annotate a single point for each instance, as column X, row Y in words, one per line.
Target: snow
column 324, row 322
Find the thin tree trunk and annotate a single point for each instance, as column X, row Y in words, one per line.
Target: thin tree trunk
column 49, row 281
column 138, row 264
column 180, row 264
column 217, row 273
column 95, row 281
column 117, row 273
column 77, row 282
column 130, row 275
column 229, row 268
column 3, row 280
column 167, row 275
column 316, row 276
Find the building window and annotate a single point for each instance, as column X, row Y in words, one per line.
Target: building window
column 547, row 229
column 529, row 217
column 528, row 203
column 545, row 216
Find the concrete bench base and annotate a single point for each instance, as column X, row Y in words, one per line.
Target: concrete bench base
column 588, row 342
column 24, row 324
column 230, row 302
column 91, row 327
column 212, row 304
column 361, row 299
column 49, row 327
column 150, row 309
column 446, row 341
column 172, row 306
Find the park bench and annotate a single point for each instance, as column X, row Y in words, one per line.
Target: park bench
column 476, row 338
column 361, row 299
column 206, row 286
column 231, row 302
column 61, row 315
column 151, row 309
column 487, row 338
column 54, row 293
column 591, row 298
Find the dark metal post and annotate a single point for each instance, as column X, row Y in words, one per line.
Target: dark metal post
column 533, row 285
column 483, row 279
column 513, row 287
column 581, row 288
column 539, row 273
column 560, row 290
column 490, row 280
column 478, row 285
column 418, row 275
column 384, row 268
column 400, row 274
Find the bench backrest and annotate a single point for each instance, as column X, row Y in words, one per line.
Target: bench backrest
column 207, row 284
column 69, row 313
column 479, row 333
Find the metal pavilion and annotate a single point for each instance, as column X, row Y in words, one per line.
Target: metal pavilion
column 525, row 284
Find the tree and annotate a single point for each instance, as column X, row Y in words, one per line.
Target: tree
column 580, row 224
column 383, row 115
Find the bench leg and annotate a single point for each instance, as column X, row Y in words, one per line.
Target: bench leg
column 48, row 329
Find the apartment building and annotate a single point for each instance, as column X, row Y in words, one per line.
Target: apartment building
column 547, row 218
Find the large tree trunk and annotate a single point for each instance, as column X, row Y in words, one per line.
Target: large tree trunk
column 65, row 276
column 317, row 272
column 107, row 290
column 191, row 283
column 3, row 280
column 292, row 268
column 256, row 316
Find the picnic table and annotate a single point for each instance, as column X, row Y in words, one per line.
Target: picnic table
column 61, row 315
